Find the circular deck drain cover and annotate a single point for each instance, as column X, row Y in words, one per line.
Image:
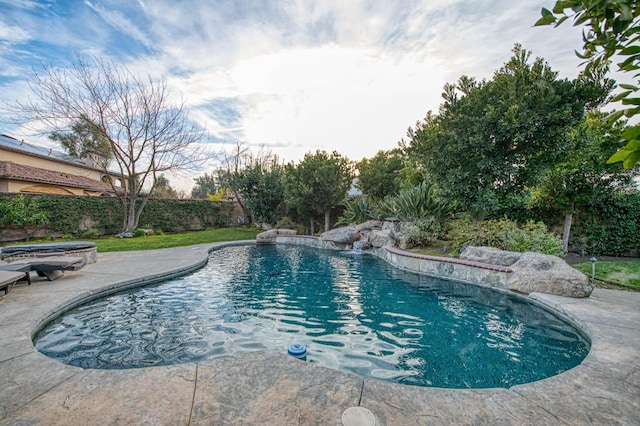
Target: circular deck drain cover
column 358, row 416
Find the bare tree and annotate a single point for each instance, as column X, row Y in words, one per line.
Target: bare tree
column 148, row 133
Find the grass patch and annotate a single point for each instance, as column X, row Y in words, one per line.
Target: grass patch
column 622, row 273
column 175, row 240
column 152, row 242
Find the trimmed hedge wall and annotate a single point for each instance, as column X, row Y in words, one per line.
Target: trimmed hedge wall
column 76, row 215
column 610, row 226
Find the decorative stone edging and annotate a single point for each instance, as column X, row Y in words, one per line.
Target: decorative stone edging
column 445, row 267
column 497, row 268
column 310, row 241
column 449, row 268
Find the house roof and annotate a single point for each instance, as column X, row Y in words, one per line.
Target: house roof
column 13, row 144
column 9, row 170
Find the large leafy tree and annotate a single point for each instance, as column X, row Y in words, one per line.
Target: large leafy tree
column 612, row 30
column 491, row 140
column 255, row 181
column 381, row 175
column 147, row 131
column 582, row 175
column 163, row 189
column 261, row 185
column 84, row 140
column 205, row 185
column 317, row 184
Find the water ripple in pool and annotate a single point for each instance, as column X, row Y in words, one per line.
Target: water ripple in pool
column 354, row 312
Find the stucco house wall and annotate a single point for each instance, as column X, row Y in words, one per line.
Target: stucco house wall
column 27, row 168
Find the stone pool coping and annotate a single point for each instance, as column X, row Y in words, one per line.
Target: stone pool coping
column 268, row 387
column 453, row 260
column 467, row 271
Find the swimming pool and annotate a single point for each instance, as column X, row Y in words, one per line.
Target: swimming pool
column 353, row 311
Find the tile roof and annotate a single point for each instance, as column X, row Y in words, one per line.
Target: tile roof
column 9, row 170
column 13, row 144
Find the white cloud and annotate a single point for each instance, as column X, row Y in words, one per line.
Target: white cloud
column 354, row 101
column 121, row 23
column 301, row 75
column 13, row 34
column 26, row 4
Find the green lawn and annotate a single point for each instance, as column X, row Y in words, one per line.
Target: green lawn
column 175, row 240
column 623, row 273
column 168, row 240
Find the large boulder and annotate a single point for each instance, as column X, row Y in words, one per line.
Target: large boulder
column 369, row 225
column 490, row 255
column 402, row 232
column 547, row 274
column 381, row 239
column 269, row 237
column 343, row 235
column 533, row 272
column 389, row 226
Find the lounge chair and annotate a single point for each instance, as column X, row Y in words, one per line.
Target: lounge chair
column 17, row 267
column 9, row 278
column 51, row 267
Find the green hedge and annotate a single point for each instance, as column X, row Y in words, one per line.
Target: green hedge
column 610, row 226
column 606, row 226
column 76, row 215
column 181, row 215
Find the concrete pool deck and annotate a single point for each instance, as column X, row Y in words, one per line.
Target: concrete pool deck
column 273, row 388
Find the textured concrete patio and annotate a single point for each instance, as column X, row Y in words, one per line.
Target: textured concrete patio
column 273, row 388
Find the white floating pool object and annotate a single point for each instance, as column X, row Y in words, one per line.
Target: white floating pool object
column 297, row 350
column 358, row 416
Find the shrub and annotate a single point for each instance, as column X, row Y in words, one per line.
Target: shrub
column 505, row 234
column 428, row 231
column 419, row 206
column 414, row 204
column 356, row 210
column 90, row 235
column 287, row 223
column 534, row 236
column 139, row 233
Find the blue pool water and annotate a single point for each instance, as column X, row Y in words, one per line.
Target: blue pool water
column 353, row 311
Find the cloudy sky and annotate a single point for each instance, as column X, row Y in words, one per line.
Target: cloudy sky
column 293, row 76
